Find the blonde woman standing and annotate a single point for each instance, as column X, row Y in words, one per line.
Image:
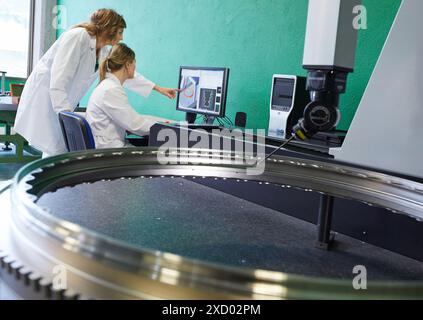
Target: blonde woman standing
column 65, row 74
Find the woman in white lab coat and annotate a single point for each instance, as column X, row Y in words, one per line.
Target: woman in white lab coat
column 109, row 113
column 64, row 75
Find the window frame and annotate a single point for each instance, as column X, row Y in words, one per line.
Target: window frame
column 40, row 19
column 31, row 38
column 30, row 46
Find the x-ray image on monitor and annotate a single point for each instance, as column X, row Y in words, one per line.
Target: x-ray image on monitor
column 207, row 99
column 188, row 96
column 203, row 90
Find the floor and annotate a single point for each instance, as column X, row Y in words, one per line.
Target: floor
column 7, row 171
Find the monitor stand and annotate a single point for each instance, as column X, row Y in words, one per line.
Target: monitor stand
column 209, row 120
column 191, row 117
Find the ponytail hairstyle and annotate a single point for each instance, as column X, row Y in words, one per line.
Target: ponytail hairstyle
column 105, row 23
column 118, row 57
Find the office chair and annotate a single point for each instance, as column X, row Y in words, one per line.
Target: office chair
column 76, row 132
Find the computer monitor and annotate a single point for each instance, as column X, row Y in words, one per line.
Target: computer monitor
column 203, row 91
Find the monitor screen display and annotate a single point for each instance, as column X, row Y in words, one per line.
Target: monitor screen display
column 283, row 92
column 203, row 90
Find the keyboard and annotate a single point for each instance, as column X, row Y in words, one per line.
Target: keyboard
column 203, row 126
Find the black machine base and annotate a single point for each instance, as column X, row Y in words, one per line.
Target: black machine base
column 328, row 245
column 7, row 147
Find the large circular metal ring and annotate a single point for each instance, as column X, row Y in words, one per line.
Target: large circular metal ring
column 102, row 267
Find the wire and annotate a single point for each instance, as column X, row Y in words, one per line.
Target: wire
column 225, row 121
column 280, row 147
column 276, row 150
column 230, row 121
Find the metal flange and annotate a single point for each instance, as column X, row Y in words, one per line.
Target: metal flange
column 101, row 267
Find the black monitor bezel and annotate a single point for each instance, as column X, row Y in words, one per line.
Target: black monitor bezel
column 222, row 111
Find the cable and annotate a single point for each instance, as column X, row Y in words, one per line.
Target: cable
column 280, row 147
column 276, row 150
column 230, row 121
column 225, row 121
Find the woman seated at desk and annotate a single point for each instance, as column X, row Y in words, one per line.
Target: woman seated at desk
column 108, row 112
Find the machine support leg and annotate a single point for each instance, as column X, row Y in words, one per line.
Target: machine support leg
column 325, row 237
column 7, row 143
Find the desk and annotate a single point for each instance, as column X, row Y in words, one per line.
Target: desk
column 137, row 141
column 8, row 110
column 214, row 137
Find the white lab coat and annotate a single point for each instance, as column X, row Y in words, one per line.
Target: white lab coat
column 110, row 115
column 59, row 81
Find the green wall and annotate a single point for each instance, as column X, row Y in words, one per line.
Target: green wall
column 255, row 38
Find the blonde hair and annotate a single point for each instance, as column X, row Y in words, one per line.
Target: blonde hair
column 105, row 23
column 116, row 60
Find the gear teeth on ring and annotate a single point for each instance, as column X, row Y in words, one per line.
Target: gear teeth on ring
column 33, row 280
column 15, row 268
column 70, row 295
column 45, row 287
column 8, row 261
column 23, row 275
